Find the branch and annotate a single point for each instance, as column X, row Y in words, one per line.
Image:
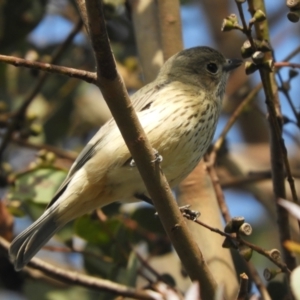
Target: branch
column 278, row 150
column 50, row 68
column 170, row 27
column 123, row 112
column 79, row 279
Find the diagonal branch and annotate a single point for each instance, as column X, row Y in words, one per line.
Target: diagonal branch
column 123, row 112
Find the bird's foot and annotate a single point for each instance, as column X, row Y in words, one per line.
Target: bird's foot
column 158, row 159
column 189, row 213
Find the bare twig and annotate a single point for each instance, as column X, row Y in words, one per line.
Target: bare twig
column 90, row 282
column 50, row 68
column 241, row 241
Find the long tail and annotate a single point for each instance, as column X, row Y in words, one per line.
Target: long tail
column 31, row 240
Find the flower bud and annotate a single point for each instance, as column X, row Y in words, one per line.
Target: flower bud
column 234, row 224
column 245, row 252
column 246, row 49
column 293, row 73
column 250, row 67
column 227, row 25
column 35, row 129
column 50, row 158
column 275, row 254
column 230, row 22
column 245, row 229
column 270, row 273
column 294, row 16
column 258, row 57
column 229, row 243
column 259, row 16
column 293, row 3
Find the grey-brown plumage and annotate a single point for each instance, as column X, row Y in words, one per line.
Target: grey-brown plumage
column 178, row 112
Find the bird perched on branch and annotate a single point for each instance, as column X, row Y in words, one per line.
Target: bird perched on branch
column 179, row 111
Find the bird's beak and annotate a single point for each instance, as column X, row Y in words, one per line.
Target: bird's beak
column 232, row 64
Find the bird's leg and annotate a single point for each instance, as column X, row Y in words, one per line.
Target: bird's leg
column 185, row 210
column 158, row 159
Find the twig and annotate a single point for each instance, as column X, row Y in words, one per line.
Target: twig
column 70, row 155
column 282, row 64
column 217, row 145
column 218, row 190
column 241, row 241
column 123, row 112
column 50, row 68
column 79, row 279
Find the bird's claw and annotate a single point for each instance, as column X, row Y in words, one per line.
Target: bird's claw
column 132, row 163
column 158, row 159
column 189, row 213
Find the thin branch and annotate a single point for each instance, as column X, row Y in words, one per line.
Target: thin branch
column 231, row 121
column 50, row 68
column 255, row 248
column 278, row 151
column 282, row 64
column 218, row 190
column 83, row 280
column 115, row 94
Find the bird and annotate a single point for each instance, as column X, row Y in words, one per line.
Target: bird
column 179, row 111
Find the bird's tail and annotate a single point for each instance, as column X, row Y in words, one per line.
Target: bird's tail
column 31, row 240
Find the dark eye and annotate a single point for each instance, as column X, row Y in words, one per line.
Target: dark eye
column 212, row 68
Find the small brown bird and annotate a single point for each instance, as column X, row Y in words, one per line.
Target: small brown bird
column 178, row 111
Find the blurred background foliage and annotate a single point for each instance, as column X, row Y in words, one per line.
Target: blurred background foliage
column 66, row 112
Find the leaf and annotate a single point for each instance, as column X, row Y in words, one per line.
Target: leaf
column 38, row 185
column 131, row 270
column 94, row 232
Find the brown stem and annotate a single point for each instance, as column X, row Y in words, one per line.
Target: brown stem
column 278, row 151
column 50, row 68
column 170, row 27
column 123, row 112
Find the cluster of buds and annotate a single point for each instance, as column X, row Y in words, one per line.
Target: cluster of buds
column 44, row 158
column 294, row 13
column 237, row 226
column 257, row 53
column 230, row 22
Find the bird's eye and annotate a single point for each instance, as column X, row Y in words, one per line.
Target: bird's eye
column 212, row 68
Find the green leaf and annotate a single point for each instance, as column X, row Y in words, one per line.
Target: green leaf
column 94, row 232
column 38, row 185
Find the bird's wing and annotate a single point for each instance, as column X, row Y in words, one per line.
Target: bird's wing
column 141, row 100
